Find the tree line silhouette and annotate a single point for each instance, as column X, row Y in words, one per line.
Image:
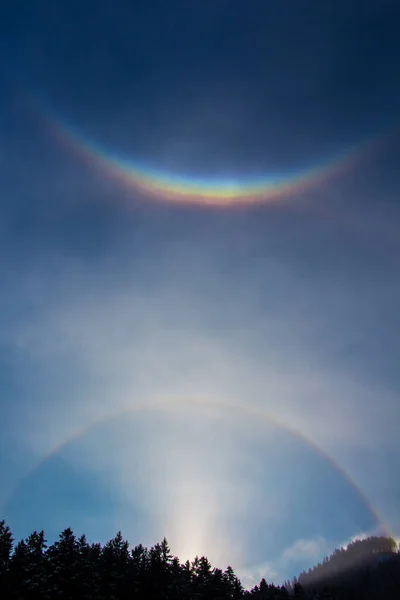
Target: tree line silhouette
column 73, row 569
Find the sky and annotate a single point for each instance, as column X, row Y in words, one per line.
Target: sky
column 200, row 275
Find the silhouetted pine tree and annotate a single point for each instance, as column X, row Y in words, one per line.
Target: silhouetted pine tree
column 113, row 572
column 64, row 567
column 234, row 587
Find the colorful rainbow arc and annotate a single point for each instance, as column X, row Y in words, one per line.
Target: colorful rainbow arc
column 215, row 410
column 192, row 190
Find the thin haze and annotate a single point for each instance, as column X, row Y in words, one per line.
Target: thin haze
column 225, row 377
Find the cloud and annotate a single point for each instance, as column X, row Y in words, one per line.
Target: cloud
column 252, row 576
column 310, row 550
column 362, row 535
column 303, row 553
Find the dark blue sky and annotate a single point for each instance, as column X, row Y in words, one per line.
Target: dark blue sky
column 110, row 300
